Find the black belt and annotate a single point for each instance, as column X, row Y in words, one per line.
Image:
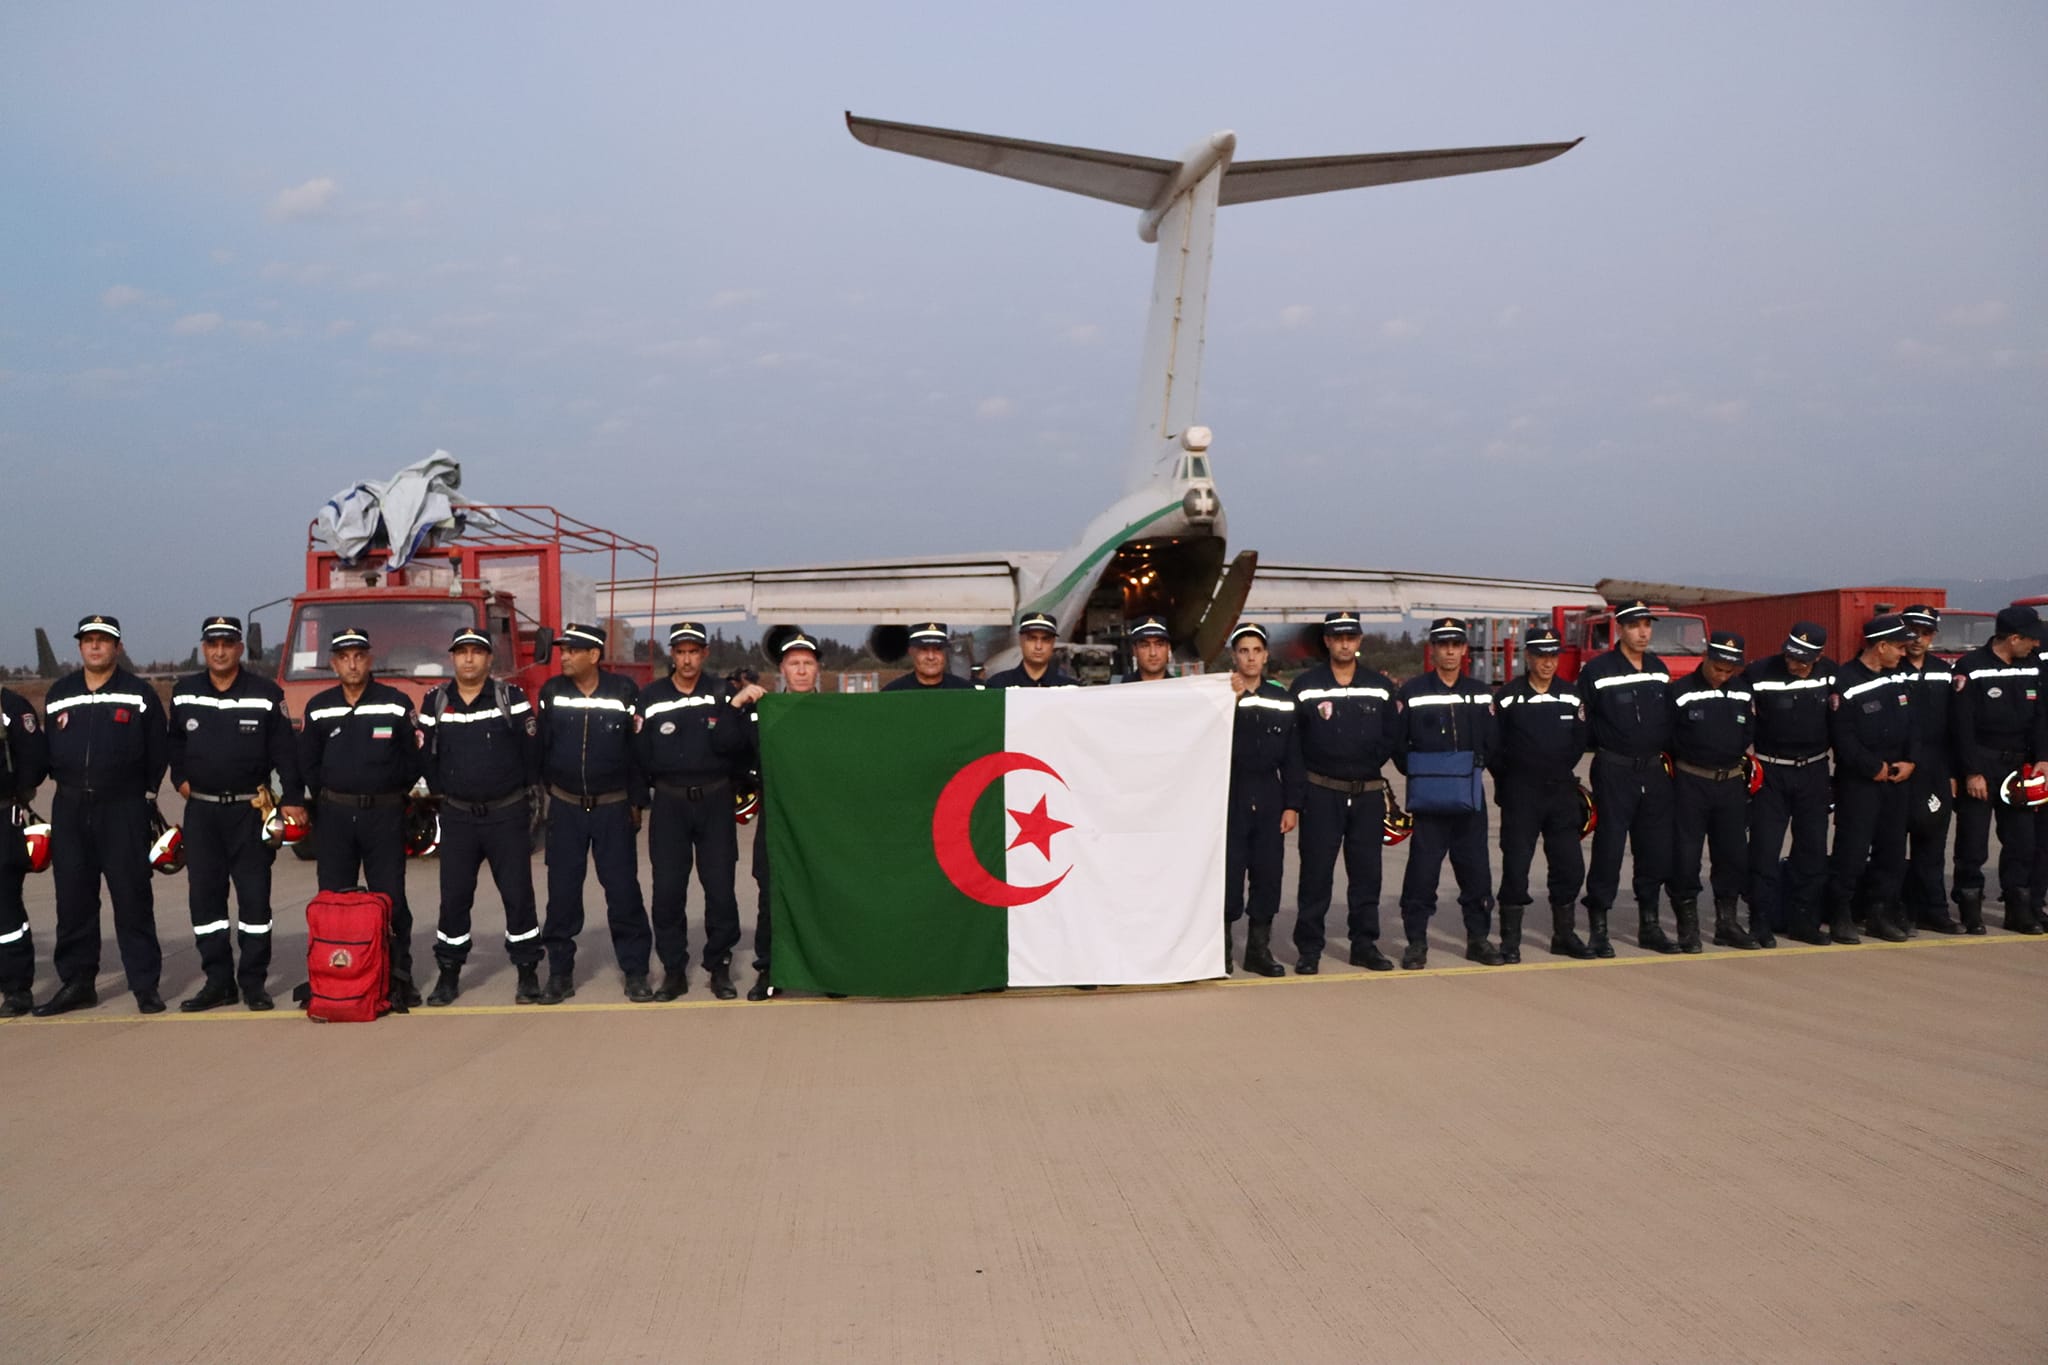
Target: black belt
column 1346, row 785
column 1646, row 761
column 99, row 793
column 588, row 803
column 483, row 808
column 692, row 791
column 1775, row 761
column 223, row 798
column 359, row 801
column 1711, row 774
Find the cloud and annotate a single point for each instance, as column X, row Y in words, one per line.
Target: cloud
column 613, row 426
column 1296, row 315
column 1682, row 402
column 693, row 348
column 1508, row 316
column 121, row 295
column 731, row 298
column 1400, row 329
column 250, row 329
column 397, row 339
column 1727, row 410
column 1989, row 313
column 196, row 324
column 309, row 200
column 340, row 327
column 994, row 409
column 221, row 255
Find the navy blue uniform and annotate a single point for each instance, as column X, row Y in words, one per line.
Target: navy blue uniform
column 359, row 760
column 481, row 758
column 1348, row 731
column 108, row 752
column 1017, row 677
column 948, row 682
column 595, row 782
column 24, row 763
column 1628, row 712
column 1435, row 717
column 1930, row 795
column 1711, row 730
column 1539, row 738
column 689, row 743
column 1792, row 745
column 1994, row 725
column 1266, row 779
column 2038, row 883
column 226, row 743
column 1872, row 728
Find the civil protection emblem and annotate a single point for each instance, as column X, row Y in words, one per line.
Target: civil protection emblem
column 339, row 959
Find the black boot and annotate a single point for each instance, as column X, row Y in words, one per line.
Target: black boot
column 1365, row 953
column 760, row 990
column 1416, row 955
column 216, row 992
column 257, row 999
column 637, row 989
column 1687, row 911
column 1760, row 929
column 1309, row 964
column 446, row 987
column 721, row 981
column 72, row 995
column 2020, row 917
column 147, row 1001
column 675, row 983
column 1842, row 925
column 1597, row 941
column 1803, row 924
column 1564, row 938
column 1258, row 950
column 1229, row 951
column 1970, row 906
column 1727, row 928
column 1938, row 921
column 560, row 987
column 1511, row 934
column 405, row 992
column 528, row 991
column 14, row 1004
column 1650, row 934
column 1482, row 951
column 1882, row 921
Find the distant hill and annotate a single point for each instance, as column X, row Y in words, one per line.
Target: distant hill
column 1989, row 594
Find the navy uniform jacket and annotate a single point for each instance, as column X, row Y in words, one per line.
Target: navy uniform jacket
column 27, row 760
column 950, row 682
column 1995, row 710
column 230, row 742
column 1017, row 677
column 1433, row 717
column 1872, row 720
column 586, row 743
column 482, row 750
column 1932, row 683
column 1791, row 713
column 1540, row 736
column 690, row 736
column 112, row 741
column 1347, row 733
column 1628, row 709
column 1710, row 726
column 1265, row 744
column 369, row 749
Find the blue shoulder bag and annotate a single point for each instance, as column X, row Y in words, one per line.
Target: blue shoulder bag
column 1445, row 783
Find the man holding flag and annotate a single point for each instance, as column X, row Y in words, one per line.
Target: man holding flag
column 797, row 656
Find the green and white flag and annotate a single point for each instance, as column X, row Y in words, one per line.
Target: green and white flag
column 933, row 843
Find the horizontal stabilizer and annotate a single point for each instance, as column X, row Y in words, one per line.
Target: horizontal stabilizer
column 1133, row 181
column 1248, row 182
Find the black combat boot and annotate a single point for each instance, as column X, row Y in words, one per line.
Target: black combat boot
column 1938, row 921
column 1564, row 938
column 1230, row 951
column 1760, row 928
column 1365, row 953
column 72, row 995
column 561, row 986
column 1842, row 926
column 1597, row 941
column 1416, row 955
column 405, row 993
column 1727, row 928
column 675, row 983
column 1511, row 934
column 1883, row 922
column 216, row 992
column 446, row 987
column 1803, row 924
column 14, row 1004
column 1482, row 951
column 637, row 989
column 2020, row 917
column 721, row 981
column 1970, row 905
column 1650, row 934
column 760, row 990
column 1687, row 911
column 1258, row 950
column 527, row 992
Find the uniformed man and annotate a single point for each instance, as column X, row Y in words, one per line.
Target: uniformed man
column 1628, row 709
column 1151, row 651
column 1540, row 734
column 1872, row 728
column 798, row 661
column 1266, row 782
column 1711, row 732
column 228, row 734
column 690, row 738
column 1789, row 692
column 1348, row 724
column 108, row 752
column 1995, row 729
column 1446, row 711
column 931, row 654
column 2037, row 885
column 24, row 763
column 588, row 719
column 1037, row 634
column 1931, row 794
column 483, row 761
column 360, row 751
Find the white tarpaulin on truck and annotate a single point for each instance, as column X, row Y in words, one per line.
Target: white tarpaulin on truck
column 416, row 508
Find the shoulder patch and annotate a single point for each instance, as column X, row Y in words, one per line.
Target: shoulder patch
column 1962, row 681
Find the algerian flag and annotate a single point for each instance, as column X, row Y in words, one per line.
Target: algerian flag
column 928, row 844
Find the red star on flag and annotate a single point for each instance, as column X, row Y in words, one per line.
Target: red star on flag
column 1036, row 828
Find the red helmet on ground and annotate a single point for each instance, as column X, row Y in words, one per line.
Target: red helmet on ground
column 2025, row 788
column 35, row 837
column 1753, row 773
column 166, row 843
column 1589, row 814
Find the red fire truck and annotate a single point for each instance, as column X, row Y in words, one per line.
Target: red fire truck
column 1679, row 638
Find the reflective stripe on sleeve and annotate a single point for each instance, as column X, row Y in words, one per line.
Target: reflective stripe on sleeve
column 521, row 938
column 455, row 942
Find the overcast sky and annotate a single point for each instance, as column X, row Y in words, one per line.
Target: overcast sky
column 1782, row 320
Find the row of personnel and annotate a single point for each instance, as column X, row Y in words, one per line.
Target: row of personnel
column 1667, row 780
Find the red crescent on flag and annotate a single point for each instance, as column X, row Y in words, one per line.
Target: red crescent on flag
column 954, row 845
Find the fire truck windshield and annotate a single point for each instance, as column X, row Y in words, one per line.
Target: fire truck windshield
column 408, row 638
column 1679, row 636
column 1960, row 632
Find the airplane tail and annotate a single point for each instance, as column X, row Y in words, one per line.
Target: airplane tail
column 46, row 658
column 1177, row 203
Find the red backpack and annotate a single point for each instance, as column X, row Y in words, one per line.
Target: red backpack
column 348, row 956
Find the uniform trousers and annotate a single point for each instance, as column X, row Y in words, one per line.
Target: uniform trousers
column 1798, row 799
column 1870, row 831
column 1253, row 848
column 603, row 835
column 764, row 922
column 1973, row 844
column 683, row 830
column 367, row 842
column 224, row 846
column 1711, row 816
column 101, row 836
column 17, row 944
column 1532, row 809
column 502, row 838
column 1463, row 837
column 1929, row 811
column 1331, row 820
column 1634, row 797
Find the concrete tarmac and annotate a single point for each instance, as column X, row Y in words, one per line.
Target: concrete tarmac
column 1809, row 1154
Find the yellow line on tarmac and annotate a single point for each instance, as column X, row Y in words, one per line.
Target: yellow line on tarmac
column 1050, row 992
